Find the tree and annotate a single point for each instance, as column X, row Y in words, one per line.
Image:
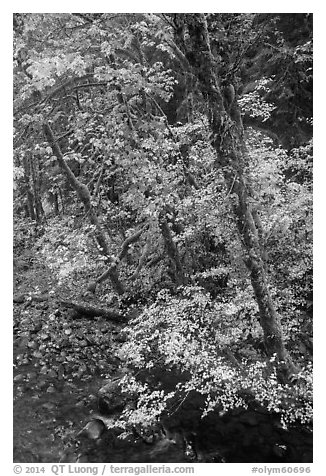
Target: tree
column 159, row 131
column 228, row 141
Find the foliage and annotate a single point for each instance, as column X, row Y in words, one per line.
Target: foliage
column 131, row 123
column 253, row 104
column 193, row 337
column 284, row 195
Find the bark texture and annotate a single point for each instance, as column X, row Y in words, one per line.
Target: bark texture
column 171, row 249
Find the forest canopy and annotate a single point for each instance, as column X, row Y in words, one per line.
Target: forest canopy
column 163, row 169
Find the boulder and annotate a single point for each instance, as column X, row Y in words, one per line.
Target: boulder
column 19, row 299
column 111, row 399
column 93, row 430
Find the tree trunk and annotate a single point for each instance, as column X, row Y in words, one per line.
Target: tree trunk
column 171, row 249
column 29, row 194
column 83, row 194
column 34, row 167
column 228, row 142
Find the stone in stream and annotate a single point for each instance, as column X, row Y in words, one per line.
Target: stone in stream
column 111, row 398
column 93, row 430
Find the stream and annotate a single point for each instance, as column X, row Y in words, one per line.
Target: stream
column 46, row 418
column 48, row 422
column 49, row 417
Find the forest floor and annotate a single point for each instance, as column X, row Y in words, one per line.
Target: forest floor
column 59, row 365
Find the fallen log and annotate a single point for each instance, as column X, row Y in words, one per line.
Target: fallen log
column 94, row 311
column 21, row 298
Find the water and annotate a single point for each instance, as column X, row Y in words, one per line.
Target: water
column 46, row 425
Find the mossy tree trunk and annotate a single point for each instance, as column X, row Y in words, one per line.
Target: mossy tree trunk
column 192, row 37
column 84, row 196
column 171, row 249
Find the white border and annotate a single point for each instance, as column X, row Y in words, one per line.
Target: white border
column 318, row 9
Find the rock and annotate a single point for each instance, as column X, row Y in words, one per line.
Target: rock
column 111, row 399
column 52, row 373
column 93, row 430
column 23, row 342
column 19, row 299
column 32, row 375
column 107, row 406
column 50, row 389
column 40, row 297
column 32, row 345
column 18, row 378
column 49, row 406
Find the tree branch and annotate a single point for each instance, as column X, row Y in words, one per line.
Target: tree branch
column 115, row 261
column 191, row 179
column 141, row 262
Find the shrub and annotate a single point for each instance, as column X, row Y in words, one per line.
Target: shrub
column 188, row 347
